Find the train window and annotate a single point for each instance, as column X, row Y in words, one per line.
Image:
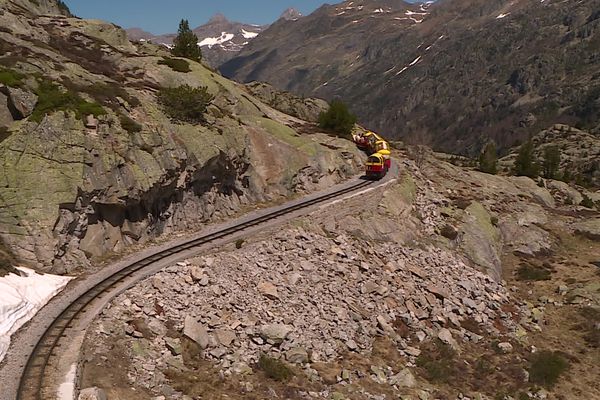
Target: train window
column 374, row 160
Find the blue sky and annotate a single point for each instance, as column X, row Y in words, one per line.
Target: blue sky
column 163, row 16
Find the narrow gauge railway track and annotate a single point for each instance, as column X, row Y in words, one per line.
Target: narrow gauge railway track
column 32, row 382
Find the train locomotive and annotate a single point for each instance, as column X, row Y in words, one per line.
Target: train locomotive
column 379, row 161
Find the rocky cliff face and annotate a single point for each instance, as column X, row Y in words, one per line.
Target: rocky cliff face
column 92, row 164
column 453, row 74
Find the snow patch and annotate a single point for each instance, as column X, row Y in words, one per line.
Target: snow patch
column 379, row 10
column 502, row 16
column 21, row 297
column 213, row 41
column 249, row 35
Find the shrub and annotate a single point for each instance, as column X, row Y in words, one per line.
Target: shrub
column 274, row 369
column 338, row 118
column 531, row 273
column 591, row 318
column 526, row 163
column 551, row 162
column 488, row 160
column 176, row 64
column 587, row 202
column 52, row 99
column 438, row 363
column 11, row 78
column 239, row 243
column 185, row 103
column 449, row 232
column 546, row 368
column 186, row 43
column 106, row 93
column 129, row 125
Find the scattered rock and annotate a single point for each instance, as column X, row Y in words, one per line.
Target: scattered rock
column 505, row 347
column 93, row 393
column 268, row 290
column 275, row 333
column 196, row 331
column 297, row 355
column 404, row 378
column 225, row 336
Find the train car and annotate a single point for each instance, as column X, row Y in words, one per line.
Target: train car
column 364, row 140
column 382, row 147
column 375, row 167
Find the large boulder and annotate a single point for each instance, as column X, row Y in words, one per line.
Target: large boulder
column 589, row 228
column 20, row 102
column 481, row 240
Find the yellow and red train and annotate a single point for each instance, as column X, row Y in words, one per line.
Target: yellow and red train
column 379, row 161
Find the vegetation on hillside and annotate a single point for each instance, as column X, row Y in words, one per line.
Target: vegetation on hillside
column 129, row 125
column 185, row 103
column 176, row 64
column 11, row 78
column 186, row 43
column 547, row 367
column 338, row 118
column 51, row 98
column 526, row 163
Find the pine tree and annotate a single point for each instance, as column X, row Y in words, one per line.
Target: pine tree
column 186, row 43
column 337, row 118
column 551, row 162
column 526, row 162
column 488, row 159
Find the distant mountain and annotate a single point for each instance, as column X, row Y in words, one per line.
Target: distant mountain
column 453, row 74
column 219, row 38
column 291, row 14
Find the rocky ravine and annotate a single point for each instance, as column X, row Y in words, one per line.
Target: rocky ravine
column 412, row 292
column 75, row 187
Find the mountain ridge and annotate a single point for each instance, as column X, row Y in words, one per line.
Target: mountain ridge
column 453, row 74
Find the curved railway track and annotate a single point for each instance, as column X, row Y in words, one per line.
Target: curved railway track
column 33, row 379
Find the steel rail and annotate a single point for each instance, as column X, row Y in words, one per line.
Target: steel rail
column 31, row 384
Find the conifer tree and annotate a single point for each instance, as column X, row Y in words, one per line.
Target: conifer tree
column 488, row 160
column 186, row 43
column 551, row 162
column 526, row 162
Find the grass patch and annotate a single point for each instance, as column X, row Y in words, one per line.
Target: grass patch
column 274, row 369
column 52, row 99
column 129, row 125
column 176, row 64
column 185, row 103
column 546, row 367
column 591, row 326
column 107, row 93
column 11, row 78
column 531, row 273
column 437, row 362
